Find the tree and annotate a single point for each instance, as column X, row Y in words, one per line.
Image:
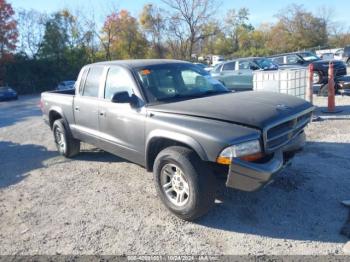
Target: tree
column 152, row 22
column 8, row 35
column 122, row 38
column 55, row 39
column 31, row 31
column 237, row 24
column 297, row 29
column 186, row 22
column 8, row 29
column 212, row 35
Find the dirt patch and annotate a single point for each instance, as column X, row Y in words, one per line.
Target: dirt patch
column 98, row 203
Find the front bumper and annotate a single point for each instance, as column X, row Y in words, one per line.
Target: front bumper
column 343, row 82
column 249, row 176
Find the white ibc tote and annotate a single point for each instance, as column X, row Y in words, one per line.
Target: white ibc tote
column 287, row 81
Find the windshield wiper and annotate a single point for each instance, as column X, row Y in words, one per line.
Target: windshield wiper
column 184, row 96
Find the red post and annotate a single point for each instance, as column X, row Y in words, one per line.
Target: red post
column 311, row 82
column 331, row 91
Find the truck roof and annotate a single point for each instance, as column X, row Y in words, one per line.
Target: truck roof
column 134, row 63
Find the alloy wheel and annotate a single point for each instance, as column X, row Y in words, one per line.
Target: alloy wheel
column 174, row 185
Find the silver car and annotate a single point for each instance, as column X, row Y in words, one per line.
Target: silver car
column 238, row 74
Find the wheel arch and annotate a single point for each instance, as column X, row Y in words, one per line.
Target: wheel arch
column 54, row 114
column 160, row 139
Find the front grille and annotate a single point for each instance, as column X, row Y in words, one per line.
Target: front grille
column 280, row 134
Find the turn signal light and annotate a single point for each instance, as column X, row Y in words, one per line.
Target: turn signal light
column 251, row 158
column 224, row 160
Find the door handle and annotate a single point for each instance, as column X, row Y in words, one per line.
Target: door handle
column 240, row 73
column 102, row 113
column 77, row 108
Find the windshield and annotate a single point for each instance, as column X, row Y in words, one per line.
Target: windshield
column 266, row 64
column 177, row 81
column 308, row 56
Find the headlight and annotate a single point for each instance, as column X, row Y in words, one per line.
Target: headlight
column 240, row 150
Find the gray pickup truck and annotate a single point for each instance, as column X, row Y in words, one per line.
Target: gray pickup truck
column 178, row 122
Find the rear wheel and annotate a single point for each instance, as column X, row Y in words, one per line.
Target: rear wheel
column 184, row 183
column 66, row 145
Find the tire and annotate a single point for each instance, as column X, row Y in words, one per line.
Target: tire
column 348, row 62
column 323, row 90
column 182, row 165
column 66, row 145
column 317, row 75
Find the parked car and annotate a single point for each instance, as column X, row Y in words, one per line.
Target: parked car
column 346, row 55
column 187, row 130
column 238, row 74
column 7, row 93
column 65, row 85
column 327, row 56
column 305, row 59
column 338, row 55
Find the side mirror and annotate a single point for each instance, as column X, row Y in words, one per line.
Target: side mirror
column 124, row 98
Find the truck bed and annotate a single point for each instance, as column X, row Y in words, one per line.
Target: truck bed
column 62, row 92
column 59, row 100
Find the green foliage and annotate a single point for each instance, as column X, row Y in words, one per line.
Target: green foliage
column 153, row 24
column 60, row 58
column 8, row 36
column 63, row 42
column 122, row 35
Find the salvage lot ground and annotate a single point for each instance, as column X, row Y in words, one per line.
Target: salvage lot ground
column 98, row 203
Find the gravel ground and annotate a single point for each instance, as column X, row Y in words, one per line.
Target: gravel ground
column 98, row 203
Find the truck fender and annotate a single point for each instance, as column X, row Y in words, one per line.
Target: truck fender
column 59, row 111
column 176, row 137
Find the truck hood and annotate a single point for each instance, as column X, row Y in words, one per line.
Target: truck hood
column 251, row 109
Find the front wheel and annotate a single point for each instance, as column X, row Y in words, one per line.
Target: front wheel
column 324, row 90
column 184, row 182
column 66, row 145
column 317, row 77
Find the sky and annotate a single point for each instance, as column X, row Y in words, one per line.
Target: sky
column 260, row 11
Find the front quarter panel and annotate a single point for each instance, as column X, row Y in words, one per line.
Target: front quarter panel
column 208, row 137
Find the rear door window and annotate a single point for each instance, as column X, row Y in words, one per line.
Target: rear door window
column 82, row 80
column 93, row 81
